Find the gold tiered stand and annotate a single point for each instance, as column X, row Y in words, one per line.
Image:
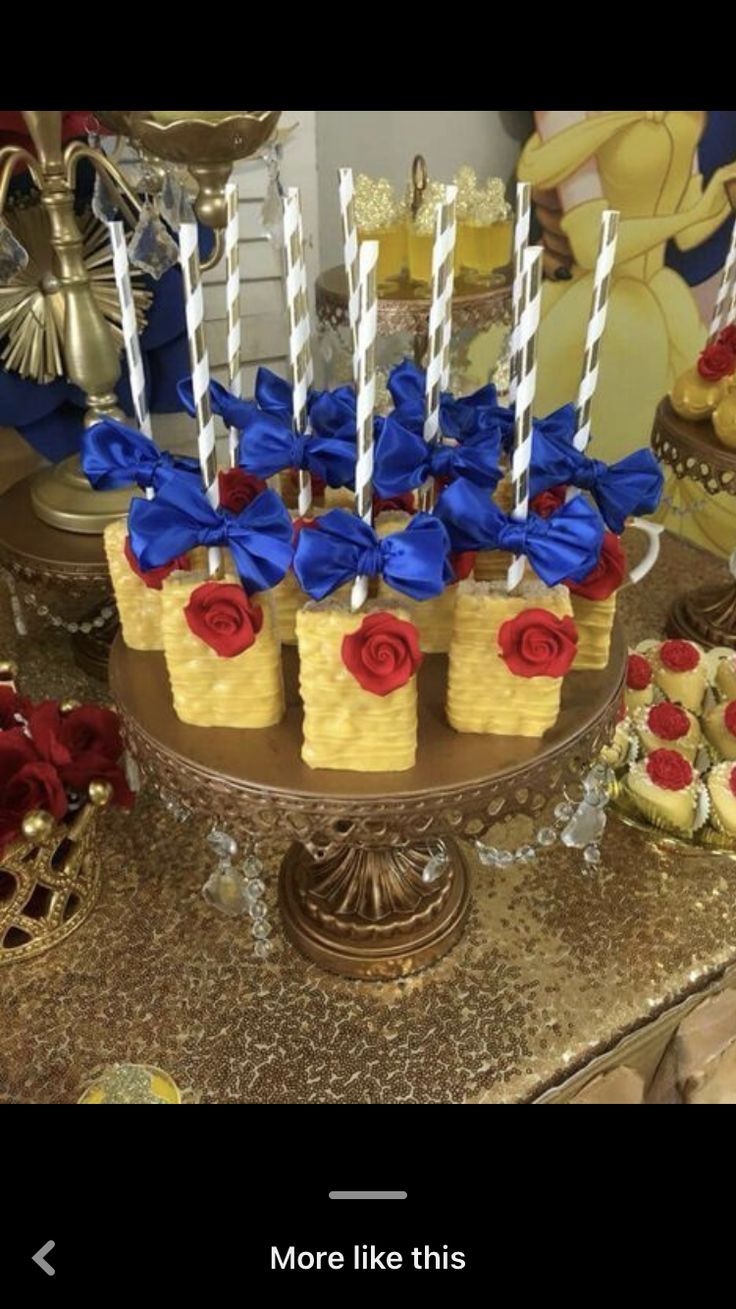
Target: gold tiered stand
column 708, row 613
column 351, row 889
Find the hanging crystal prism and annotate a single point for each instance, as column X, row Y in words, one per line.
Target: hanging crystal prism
column 225, row 890
column 151, row 247
column 13, row 255
column 272, row 211
column 586, row 826
column 104, row 201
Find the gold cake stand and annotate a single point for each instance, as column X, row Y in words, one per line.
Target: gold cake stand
column 707, row 614
column 351, row 889
column 405, row 306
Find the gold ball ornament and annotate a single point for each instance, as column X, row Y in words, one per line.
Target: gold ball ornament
column 100, row 793
column 37, row 825
column 67, row 705
column 696, row 398
column 724, row 421
column 8, row 670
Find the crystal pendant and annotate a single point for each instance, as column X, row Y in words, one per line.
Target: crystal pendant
column 262, row 949
column 255, row 888
column 222, row 843
column 546, row 836
column 261, row 929
column 104, row 201
column 586, row 826
column 272, row 211
column 258, row 908
column 592, row 855
column 171, row 199
column 151, row 247
column 13, row 256
column 225, row 890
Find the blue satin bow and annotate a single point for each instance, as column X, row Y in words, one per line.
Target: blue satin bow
column 230, row 408
column 403, row 460
column 460, row 419
column 331, row 413
column 268, row 444
column 342, row 547
column 181, row 517
column 115, row 456
column 633, row 485
column 567, row 544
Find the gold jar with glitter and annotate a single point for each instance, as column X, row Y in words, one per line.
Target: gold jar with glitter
column 381, row 217
column 484, row 228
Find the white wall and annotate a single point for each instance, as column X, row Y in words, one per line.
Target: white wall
column 384, row 142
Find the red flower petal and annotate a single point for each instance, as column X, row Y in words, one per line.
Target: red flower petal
column 668, row 721
column 638, row 673
column 668, row 769
column 679, row 656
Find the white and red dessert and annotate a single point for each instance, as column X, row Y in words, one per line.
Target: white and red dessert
column 665, row 787
column 639, row 683
column 668, row 726
column 719, row 726
column 722, row 792
column 680, row 671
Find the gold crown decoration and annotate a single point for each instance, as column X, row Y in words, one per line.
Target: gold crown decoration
column 133, row 1084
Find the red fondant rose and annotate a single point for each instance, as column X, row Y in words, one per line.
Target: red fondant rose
column 548, row 502
column 729, row 717
column 222, row 616
column 638, row 673
column 59, row 738
column 238, row 488
column 668, row 721
column 732, row 780
column 607, row 575
column 383, row 653
column 538, row 644
column 679, row 656
column 716, row 361
column 727, row 337
column 154, row 577
column 394, row 503
column 463, row 563
column 668, row 769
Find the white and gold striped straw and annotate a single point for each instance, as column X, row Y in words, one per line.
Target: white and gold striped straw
column 440, row 322
column 350, row 255
column 726, row 298
column 300, row 354
column 521, row 242
column 365, row 397
column 200, row 366
column 596, row 324
column 305, row 294
column 529, row 310
column 232, row 295
column 136, row 374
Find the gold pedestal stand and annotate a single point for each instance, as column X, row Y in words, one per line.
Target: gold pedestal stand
column 353, row 892
column 707, row 614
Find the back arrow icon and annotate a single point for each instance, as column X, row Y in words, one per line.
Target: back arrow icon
column 38, row 1258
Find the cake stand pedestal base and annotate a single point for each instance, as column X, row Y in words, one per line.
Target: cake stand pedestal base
column 368, row 913
column 706, row 615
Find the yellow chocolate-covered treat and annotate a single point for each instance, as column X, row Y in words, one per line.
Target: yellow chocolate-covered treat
column 669, row 727
column 665, row 806
column 719, row 728
column 493, row 565
column 211, row 690
column 726, row 677
column 621, row 746
column 339, row 497
column 139, row 605
column 680, row 672
column 434, row 618
column 483, row 694
column 721, row 783
column 594, row 621
column 346, row 726
column 696, row 397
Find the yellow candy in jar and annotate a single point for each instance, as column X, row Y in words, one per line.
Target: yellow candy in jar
column 379, row 217
column 421, row 234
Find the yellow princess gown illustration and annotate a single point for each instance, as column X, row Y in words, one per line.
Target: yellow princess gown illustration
column 643, row 163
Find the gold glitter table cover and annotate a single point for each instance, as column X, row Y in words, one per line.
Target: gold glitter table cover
column 553, row 971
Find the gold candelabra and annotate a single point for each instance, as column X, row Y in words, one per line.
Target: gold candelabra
column 61, row 495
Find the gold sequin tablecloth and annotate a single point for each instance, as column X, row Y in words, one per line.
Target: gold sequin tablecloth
column 554, row 969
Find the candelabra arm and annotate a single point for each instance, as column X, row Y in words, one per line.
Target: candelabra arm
column 77, row 150
column 217, row 251
column 10, row 156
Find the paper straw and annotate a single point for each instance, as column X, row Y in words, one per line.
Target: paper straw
column 200, row 367
column 440, row 323
column 136, row 374
column 305, row 294
column 350, row 255
column 596, row 324
column 232, row 295
column 726, row 298
column 521, row 242
column 451, row 235
column 366, row 397
column 300, row 355
column 529, row 308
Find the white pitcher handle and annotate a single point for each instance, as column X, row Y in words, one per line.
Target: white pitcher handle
column 653, row 531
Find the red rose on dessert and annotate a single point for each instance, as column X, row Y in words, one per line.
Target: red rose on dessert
column 238, row 488
column 394, row 503
column 668, row 721
column 154, row 577
column 462, row 563
column 729, row 717
column 12, row 704
column 607, row 575
column 732, row 780
column 383, row 653
column 222, row 615
column 548, row 502
column 668, row 769
column 679, row 656
column 638, row 673
column 716, row 361
column 727, row 337
column 538, row 644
